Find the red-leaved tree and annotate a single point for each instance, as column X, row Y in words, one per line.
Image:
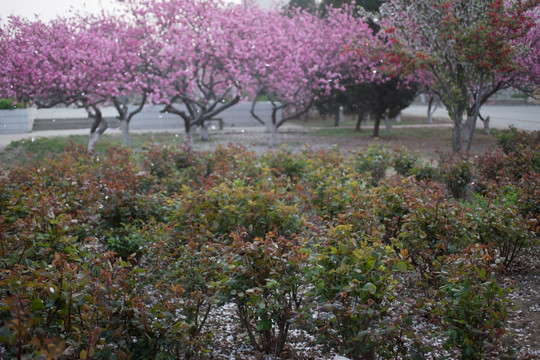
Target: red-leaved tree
column 469, row 47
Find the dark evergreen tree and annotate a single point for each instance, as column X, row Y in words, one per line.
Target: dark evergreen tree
column 373, row 98
column 308, row 5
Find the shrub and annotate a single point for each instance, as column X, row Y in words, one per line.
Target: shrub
column 128, row 242
column 225, row 208
column 513, row 140
column 227, row 164
column 374, row 161
column 498, row 222
column 432, row 228
column 424, row 171
column 499, row 168
column 456, row 171
column 124, row 197
column 196, row 277
column 163, row 161
column 99, row 306
column 264, row 277
column 404, row 161
column 6, row 104
column 472, row 307
column 104, row 257
column 330, row 182
column 284, row 163
column 528, row 202
column 354, row 287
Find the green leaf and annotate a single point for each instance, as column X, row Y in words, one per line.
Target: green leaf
column 370, row 288
column 264, row 325
column 363, row 333
column 5, row 335
column 482, row 274
column 37, row 304
column 401, row 266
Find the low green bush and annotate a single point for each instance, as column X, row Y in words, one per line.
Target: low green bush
column 456, row 171
column 229, row 206
column 355, row 290
column 404, row 161
column 6, row 104
column 163, row 161
column 514, row 140
column 424, row 171
column 472, row 307
column 107, row 256
column 263, row 277
column 285, row 163
column 498, row 222
column 374, row 161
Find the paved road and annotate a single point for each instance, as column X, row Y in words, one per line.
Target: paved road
column 526, row 117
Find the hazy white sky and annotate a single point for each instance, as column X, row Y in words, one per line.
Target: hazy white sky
column 49, row 9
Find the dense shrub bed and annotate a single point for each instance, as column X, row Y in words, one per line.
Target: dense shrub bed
column 126, row 255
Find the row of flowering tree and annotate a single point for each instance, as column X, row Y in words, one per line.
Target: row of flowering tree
column 209, row 55
column 82, row 62
column 204, row 55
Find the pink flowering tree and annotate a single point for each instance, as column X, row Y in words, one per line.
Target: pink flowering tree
column 468, row 48
column 296, row 57
column 527, row 77
column 192, row 50
column 77, row 62
column 127, row 80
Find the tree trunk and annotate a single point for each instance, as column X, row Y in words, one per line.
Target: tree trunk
column 203, row 133
column 456, row 138
column 476, row 110
column 92, row 142
column 467, row 129
column 94, row 136
column 487, row 129
column 359, row 120
column 377, row 125
column 388, row 123
column 124, row 126
column 98, row 127
column 457, row 131
column 189, row 132
column 273, row 133
column 429, row 112
column 337, row 117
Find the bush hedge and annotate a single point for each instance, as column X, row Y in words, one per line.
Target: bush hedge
column 126, row 255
